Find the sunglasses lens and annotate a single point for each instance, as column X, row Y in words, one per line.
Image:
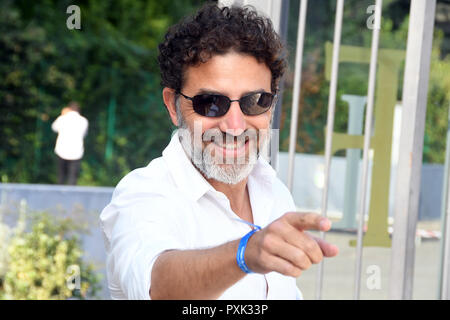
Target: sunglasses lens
column 209, row 105
column 257, row 103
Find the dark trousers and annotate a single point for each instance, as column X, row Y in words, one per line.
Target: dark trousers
column 68, row 170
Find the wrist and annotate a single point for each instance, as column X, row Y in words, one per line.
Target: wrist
column 240, row 254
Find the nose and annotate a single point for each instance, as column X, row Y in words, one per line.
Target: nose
column 233, row 121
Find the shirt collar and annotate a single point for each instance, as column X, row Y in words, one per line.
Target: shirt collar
column 190, row 180
column 183, row 172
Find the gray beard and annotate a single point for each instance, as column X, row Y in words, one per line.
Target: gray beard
column 207, row 164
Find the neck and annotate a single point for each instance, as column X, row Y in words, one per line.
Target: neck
column 238, row 196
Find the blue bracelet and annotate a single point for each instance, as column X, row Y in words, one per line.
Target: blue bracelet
column 241, row 250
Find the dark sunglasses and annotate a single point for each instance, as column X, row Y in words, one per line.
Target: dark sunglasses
column 217, row 105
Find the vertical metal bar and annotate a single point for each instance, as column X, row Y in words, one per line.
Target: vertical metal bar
column 330, row 126
column 444, row 215
column 275, row 141
column 367, row 136
column 445, row 293
column 415, row 92
column 297, row 84
column 229, row 3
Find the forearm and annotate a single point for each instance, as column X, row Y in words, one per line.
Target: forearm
column 195, row 274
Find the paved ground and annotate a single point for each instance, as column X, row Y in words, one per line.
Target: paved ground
column 339, row 272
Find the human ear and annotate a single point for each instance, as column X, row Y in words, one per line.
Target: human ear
column 169, row 101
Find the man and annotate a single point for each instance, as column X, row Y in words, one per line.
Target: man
column 71, row 128
column 210, row 219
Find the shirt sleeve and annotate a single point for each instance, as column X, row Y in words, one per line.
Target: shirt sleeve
column 140, row 228
column 298, row 294
column 85, row 128
column 55, row 125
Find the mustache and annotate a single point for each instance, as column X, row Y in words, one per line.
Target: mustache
column 229, row 136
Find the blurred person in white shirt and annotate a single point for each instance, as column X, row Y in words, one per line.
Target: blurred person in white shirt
column 71, row 128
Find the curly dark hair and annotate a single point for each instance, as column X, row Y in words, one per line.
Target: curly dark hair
column 215, row 31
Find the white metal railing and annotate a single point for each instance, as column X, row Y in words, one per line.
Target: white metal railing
column 411, row 142
column 367, row 136
column 297, row 87
column 445, row 269
column 330, row 127
column 414, row 101
column 419, row 49
column 444, row 263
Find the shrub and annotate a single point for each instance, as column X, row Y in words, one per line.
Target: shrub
column 44, row 263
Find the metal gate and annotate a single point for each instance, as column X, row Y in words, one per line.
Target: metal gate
column 414, row 100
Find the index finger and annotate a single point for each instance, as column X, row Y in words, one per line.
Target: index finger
column 308, row 221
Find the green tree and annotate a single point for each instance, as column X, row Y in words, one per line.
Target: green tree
column 110, row 62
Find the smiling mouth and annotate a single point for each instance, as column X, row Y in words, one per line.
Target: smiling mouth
column 236, row 144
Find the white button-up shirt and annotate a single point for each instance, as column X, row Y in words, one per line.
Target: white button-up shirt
column 170, row 205
column 71, row 128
